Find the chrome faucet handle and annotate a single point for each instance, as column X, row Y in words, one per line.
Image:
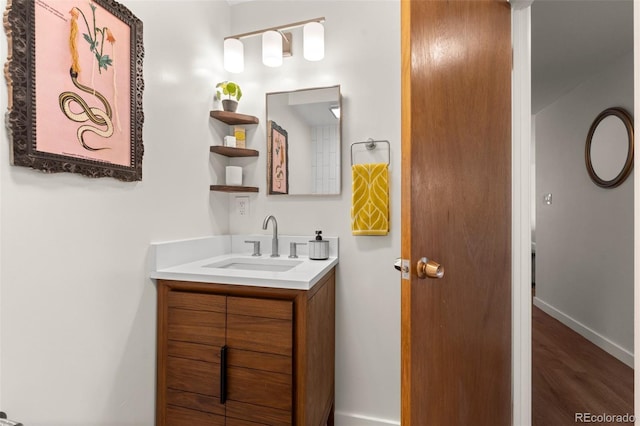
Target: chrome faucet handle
column 292, row 249
column 256, row 247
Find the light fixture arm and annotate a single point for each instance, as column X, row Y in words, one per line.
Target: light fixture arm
column 278, row 29
column 284, row 36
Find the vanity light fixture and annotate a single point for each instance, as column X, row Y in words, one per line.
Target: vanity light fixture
column 272, row 49
column 233, row 55
column 313, row 38
column 276, row 44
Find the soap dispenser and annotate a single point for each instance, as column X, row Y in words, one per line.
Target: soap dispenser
column 318, row 248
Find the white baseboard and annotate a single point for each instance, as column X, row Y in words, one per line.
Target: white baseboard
column 594, row 337
column 350, row 419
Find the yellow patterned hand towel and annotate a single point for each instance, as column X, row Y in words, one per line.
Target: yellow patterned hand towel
column 370, row 199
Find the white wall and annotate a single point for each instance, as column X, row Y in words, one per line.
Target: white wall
column 77, row 311
column 362, row 54
column 584, row 240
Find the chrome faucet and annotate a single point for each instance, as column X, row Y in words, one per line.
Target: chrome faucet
column 274, row 241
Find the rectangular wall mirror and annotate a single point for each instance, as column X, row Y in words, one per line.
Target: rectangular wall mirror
column 303, row 142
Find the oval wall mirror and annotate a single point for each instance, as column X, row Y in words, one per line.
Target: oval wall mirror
column 609, row 148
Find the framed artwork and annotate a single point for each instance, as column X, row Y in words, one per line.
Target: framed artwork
column 278, row 159
column 75, row 85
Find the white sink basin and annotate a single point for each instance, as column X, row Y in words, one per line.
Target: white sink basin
column 226, row 259
column 257, row 264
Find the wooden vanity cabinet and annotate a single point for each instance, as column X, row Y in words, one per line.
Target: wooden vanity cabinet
column 243, row 356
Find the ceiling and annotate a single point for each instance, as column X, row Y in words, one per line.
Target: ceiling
column 573, row 39
column 316, row 114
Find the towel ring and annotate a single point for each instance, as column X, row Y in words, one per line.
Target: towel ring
column 371, row 145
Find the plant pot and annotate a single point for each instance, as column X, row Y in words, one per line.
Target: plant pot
column 229, row 105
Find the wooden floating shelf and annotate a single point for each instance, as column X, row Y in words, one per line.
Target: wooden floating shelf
column 230, row 188
column 229, row 151
column 233, row 118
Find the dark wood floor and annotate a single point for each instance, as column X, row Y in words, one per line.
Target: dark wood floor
column 571, row 375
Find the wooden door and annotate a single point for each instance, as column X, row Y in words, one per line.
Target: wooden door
column 456, row 210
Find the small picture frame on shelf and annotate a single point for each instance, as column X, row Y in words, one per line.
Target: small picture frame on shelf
column 239, row 133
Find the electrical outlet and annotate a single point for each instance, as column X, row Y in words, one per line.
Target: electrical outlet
column 242, row 205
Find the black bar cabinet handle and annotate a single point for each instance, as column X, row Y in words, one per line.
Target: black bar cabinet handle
column 223, row 374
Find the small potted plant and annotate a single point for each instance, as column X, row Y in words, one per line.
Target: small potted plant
column 231, row 90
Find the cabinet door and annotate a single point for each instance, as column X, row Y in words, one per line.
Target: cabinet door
column 260, row 342
column 196, row 333
column 178, row 416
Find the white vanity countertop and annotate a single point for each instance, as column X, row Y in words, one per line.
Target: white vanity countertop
column 191, row 260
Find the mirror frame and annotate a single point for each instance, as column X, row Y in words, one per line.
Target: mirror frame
column 269, row 188
column 626, row 119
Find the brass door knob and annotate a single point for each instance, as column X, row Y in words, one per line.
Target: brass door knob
column 429, row 269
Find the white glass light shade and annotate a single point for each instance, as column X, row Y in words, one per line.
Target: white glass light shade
column 233, row 55
column 313, row 40
column 272, row 49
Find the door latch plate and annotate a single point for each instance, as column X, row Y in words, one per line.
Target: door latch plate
column 405, row 269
